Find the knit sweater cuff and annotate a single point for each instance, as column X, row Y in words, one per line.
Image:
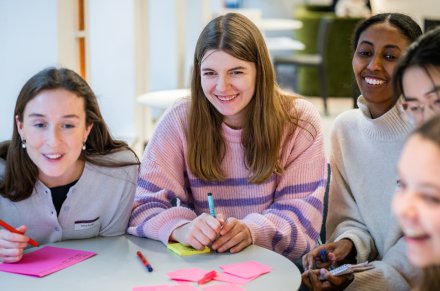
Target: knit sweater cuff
column 363, row 251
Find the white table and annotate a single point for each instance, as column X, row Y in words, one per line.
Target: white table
column 283, row 43
column 116, row 267
column 277, row 24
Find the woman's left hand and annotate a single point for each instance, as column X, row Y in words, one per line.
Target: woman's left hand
column 234, row 236
column 311, row 278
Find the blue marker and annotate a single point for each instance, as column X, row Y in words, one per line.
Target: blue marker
column 211, row 204
column 323, row 254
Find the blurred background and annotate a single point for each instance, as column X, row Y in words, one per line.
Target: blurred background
column 128, row 49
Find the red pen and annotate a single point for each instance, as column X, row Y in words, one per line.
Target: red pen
column 11, row 229
column 144, row 261
column 208, row 277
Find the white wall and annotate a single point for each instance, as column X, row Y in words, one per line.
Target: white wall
column 111, row 70
column 418, row 10
column 29, row 42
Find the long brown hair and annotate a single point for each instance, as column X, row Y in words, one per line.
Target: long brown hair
column 21, row 173
column 268, row 111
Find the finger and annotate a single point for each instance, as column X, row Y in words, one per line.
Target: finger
column 230, row 239
column 228, row 226
column 11, row 255
column 305, row 279
column 240, row 246
column 315, row 283
column 221, row 218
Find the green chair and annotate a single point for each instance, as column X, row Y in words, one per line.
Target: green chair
column 338, row 68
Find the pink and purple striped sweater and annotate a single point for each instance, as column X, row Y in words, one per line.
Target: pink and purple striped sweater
column 283, row 214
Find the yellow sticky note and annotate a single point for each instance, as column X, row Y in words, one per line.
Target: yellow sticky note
column 183, row 250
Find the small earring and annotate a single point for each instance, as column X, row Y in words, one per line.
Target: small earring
column 23, row 144
column 84, row 146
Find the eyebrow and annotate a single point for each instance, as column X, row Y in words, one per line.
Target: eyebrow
column 232, row 69
column 393, row 46
column 433, row 90
column 42, row 115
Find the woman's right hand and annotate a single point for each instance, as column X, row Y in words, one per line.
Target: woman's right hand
column 337, row 252
column 12, row 245
column 200, row 232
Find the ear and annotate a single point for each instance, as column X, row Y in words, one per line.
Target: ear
column 19, row 125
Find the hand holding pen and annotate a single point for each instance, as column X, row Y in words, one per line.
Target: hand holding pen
column 330, row 254
column 13, row 242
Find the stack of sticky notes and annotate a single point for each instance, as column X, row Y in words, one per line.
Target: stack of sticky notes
column 183, row 250
column 187, row 287
column 241, row 273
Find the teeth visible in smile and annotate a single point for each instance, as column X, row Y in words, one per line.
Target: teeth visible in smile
column 53, row 157
column 372, row 81
column 413, row 233
column 227, row 97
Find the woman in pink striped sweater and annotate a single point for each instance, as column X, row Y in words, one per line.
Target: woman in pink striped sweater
column 257, row 150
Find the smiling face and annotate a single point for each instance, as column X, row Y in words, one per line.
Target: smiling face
column 421, row 90
column 378, row 49
column 417, row 200
column 229, row 85
column 54, row 127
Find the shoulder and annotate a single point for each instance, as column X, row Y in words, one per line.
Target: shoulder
column 347, row 118
column 119, row 172
column 306, row 110
column 179, row 110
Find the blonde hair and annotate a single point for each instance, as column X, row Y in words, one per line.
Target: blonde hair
column 268, row 111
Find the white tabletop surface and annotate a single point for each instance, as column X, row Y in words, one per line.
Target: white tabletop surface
column 162, row 99
column 276, row 24
column 283, row 43
column 116, row 267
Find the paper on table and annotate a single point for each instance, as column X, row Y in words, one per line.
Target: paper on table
column 183, row 250
column 148, row 288
column 193, row 274
column 46, row 260
column 223, row 287
column 180, row 287
column 247, row 269
column 225, row 277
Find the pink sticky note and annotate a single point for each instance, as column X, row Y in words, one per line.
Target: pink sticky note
column 247, row 269
column 46, row 260
column 181, row 287
column 194, row 274
column 223, row 287
column 148, row 288
column 225, row 277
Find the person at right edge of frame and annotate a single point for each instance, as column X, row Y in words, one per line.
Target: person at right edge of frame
column 365, row 146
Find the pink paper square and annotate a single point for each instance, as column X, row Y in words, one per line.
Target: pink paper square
column 46, row 260
column 223, row 287
column 181, row 287
column 247, row 269
column 225, row 277
column 194, row 274
column 148, row 288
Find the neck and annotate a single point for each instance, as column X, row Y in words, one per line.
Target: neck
column 377, row 110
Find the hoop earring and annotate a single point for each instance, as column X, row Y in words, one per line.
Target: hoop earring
column 23, row 144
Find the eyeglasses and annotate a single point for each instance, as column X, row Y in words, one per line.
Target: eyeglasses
column 421, row 111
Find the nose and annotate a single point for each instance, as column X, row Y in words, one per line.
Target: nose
column 375, row 63
column 222, row 83
column 405, row 206
column 53, row 136
column 428, row 112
